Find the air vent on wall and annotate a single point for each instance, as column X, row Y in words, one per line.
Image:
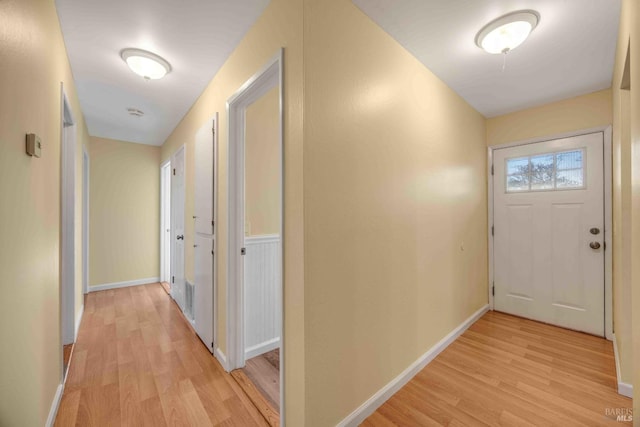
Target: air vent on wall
column 135, row 112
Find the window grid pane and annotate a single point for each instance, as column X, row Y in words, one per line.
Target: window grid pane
column 545, row 172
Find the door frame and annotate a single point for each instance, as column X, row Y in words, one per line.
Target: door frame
column 260, row 83
column 67, row 220
column 86, row 170
column 165, row 187
column 608, row 217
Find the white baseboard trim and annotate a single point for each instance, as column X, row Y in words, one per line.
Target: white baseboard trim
column 375, row 401
column 221, row 358
column 261, row 239
column 625, row 389
column 54, row 406
column 78, row 321
column 262, row 348
column 115, row 285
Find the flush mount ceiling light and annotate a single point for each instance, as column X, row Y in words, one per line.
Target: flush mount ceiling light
column 504, row 34
column 145, row 64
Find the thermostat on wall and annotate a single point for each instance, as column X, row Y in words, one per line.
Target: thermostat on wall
column 34, row 145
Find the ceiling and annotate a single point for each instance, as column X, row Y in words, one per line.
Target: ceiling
column 195, row 36
column 570, row 53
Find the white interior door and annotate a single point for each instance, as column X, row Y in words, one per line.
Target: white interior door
column 165, row 226
column 177, row 226
column 67, row 236
column 549, row 232
column 204, row 259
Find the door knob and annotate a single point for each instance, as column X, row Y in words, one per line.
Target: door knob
column 595, row 231
column 594, row 245
column 181, row 237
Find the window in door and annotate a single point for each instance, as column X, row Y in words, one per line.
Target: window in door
column 561, row 170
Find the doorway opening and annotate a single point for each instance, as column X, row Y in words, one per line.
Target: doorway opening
column 165, row 225
column 67, row 230
column 255, row 262
column 550, row 230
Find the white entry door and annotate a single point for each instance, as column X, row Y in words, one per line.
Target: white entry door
column 177, row 227
column 549, row 232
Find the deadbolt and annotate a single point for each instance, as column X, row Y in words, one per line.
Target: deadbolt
column 243, row 251
column 594, row 231
column 594, row 245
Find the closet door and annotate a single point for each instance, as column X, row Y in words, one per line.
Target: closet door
column 205, row 236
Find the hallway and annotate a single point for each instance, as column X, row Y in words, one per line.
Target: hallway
column 137, row 362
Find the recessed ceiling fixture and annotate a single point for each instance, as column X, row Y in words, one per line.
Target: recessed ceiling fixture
column 135, row 112
column 145, row 64
column 504, row 34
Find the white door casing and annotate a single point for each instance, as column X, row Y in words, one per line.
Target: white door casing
column 177, row 226
column 544, row 268
column 205, row 237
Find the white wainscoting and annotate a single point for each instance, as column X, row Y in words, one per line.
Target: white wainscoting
column 262, row 287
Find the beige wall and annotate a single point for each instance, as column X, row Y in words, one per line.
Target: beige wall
column 395, row 209
column 630, row 33
column 582, row 112
column 124, row 212
column 279, row 26
column 622, row 237
column 262, row 165
column 34, row 62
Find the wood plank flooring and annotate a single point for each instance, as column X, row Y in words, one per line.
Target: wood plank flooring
column 167, row 287
column 137, row 362
column 505, row 370
column 260, row 380
column 66, row 356
column 264, row 372
column 268, row 411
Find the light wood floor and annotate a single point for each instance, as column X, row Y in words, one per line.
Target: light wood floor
column 66, row 356
column 260, row 380
column 505, row 370
column 166, row 286
column 137, row 362
column 264, row 372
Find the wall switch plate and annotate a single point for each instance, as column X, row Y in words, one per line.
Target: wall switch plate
column 34, row 145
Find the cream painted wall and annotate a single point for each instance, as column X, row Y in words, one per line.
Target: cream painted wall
column 622, row 214
column 630, row 30
column 279, row 26
column 262, row 165
column 395, row 209
column 34, row 62
column 582, row 112
column 124, row 212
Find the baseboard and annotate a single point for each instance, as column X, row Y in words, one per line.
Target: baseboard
column 625, row 389
column 262, row 238
column 116, row 285
column 78, row 321
column 51, row 419
column 262, row 348
column 221, row 358
column 375, row 401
